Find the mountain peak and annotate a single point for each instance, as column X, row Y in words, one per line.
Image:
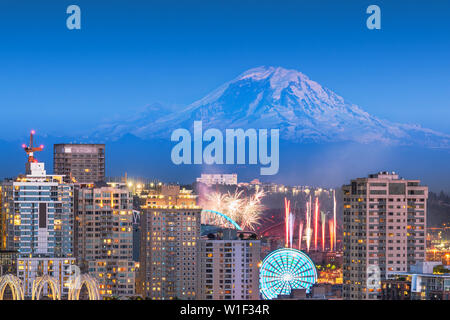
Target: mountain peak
column 269, row 70
column 277, row 75
column 275, row 97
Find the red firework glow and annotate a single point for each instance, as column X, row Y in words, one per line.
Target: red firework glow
column 286, row 217
column 334, row 218
column 331, row 226
column 323, row 233
column 316, row 221
column 300, row 235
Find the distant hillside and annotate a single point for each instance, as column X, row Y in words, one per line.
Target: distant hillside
column 438, row 209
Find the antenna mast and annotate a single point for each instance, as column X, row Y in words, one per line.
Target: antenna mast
column 30, row 149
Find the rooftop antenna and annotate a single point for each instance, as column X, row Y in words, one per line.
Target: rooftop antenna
column 30, row 149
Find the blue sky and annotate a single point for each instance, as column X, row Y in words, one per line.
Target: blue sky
column 133, row 53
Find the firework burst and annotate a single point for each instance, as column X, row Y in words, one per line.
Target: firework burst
column 246, row 211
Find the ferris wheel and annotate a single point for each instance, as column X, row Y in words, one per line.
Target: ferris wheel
column 286, row 269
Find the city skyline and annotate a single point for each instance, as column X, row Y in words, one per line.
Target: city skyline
column 177, row 239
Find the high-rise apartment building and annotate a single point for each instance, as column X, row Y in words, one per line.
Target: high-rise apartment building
column 228, row 268
column 168, row 257
column 104, row 236
column 37, row 222
column 38, row 214
column 384, row 231
column 82, row 163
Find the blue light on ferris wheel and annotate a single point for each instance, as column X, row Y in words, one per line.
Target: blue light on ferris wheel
column 284, row 270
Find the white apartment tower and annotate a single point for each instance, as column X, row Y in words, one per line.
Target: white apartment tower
column 384, row 231
column 228, row 269
column 38, row 211
column 37, row 222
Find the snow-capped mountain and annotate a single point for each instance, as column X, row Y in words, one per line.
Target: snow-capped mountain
column 270, row 97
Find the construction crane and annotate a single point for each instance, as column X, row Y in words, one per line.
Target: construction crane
column 30, row 149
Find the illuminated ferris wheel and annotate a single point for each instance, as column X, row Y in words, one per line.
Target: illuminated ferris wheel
column 286, row 269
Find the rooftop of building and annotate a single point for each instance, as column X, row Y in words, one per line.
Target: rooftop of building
column 216, row 233
column 426, row 268
column 79, row 144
